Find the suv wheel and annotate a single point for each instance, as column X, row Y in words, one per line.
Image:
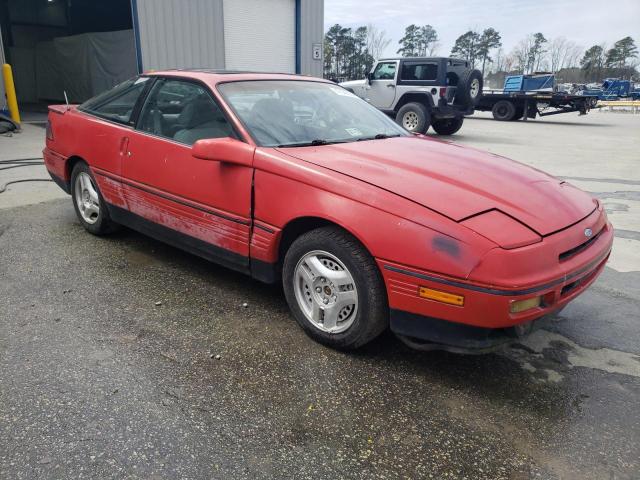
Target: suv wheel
column 448, row 126
column 334, row 289
column 414, row 117
column 503, row 111
column 469, row 88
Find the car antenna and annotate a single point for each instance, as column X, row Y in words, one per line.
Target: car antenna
column 66, row 99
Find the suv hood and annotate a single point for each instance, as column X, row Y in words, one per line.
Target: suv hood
column 455, row 181
column 353, row 83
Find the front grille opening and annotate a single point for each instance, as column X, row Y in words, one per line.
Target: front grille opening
column 569, row 287
column 575, row 250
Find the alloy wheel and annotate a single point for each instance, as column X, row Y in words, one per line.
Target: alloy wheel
column 87, row 199
column 325, row 291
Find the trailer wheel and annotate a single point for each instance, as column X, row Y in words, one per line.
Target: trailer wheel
column 503, row 110
column 593, row 102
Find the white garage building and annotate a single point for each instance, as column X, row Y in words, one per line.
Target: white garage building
column 269, row 35
column 83, row 47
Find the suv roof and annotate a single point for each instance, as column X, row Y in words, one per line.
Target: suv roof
column 221, row 71
column 422, row 58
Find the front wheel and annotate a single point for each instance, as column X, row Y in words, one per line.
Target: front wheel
column 448, row 126
column 334, row 289
column 414, row 117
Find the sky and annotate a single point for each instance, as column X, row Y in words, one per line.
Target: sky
column 586, row 22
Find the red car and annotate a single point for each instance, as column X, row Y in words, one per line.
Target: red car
column 368, row 226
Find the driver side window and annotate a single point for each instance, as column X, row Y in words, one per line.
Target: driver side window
column 183, row 112
column 385, row 71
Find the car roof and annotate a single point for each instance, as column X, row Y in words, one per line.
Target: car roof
column 215, row 76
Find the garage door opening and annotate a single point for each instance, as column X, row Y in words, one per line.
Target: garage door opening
column 80, row 47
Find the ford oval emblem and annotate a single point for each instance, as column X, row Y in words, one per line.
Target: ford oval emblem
column 588, row 232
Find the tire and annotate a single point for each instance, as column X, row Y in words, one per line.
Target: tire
column 326, row 263
column 88, row 203
column 469, row 88
column 448, row 126
column 503, row 111
column 414, row 117
column 6, row 127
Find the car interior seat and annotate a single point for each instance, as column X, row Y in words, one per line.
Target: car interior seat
column 152, row 121
column 201, row 118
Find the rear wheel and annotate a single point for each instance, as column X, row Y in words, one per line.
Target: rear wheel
column 334, row 289
column 88, row 202
column 414, row 117
column 448, row 126
column 503, row 111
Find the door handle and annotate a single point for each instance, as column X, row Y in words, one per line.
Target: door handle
column 391, row 85
column 124, row 143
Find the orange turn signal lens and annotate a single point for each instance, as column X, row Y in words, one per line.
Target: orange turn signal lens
column 526, row 304
column 439, row 296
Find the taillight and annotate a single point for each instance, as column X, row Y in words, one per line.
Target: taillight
column 443, row 92
column 49, row 131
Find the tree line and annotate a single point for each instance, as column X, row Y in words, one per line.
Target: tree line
column 599, row 62
column 350, row 53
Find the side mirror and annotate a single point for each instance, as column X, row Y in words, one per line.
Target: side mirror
column 369, row 77
column 226, row 150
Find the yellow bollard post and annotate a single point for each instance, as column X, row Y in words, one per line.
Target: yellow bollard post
column 10, row 91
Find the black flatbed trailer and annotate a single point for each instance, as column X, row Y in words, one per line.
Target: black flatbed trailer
column 507, row 106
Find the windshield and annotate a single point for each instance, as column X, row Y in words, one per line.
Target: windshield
column 286, row 113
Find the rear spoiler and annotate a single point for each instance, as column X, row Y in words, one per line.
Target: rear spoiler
column 61, row 109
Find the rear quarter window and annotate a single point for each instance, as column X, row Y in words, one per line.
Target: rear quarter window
column 118, row 103
column 419, row 72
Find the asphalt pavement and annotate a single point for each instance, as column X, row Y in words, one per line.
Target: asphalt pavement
column 121, row 357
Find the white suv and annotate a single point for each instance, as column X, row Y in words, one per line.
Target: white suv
column 422, row 91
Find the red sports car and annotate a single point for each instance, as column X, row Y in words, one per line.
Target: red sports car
column 368, row 226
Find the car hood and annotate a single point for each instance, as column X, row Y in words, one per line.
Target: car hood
column 455, row 181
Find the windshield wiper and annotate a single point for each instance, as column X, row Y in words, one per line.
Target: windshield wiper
column 312, row 143
column 322, row 141
column 378, row 136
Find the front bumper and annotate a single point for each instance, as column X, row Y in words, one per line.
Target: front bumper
column 456, row 336
column 485, row 318
column 425, row 333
